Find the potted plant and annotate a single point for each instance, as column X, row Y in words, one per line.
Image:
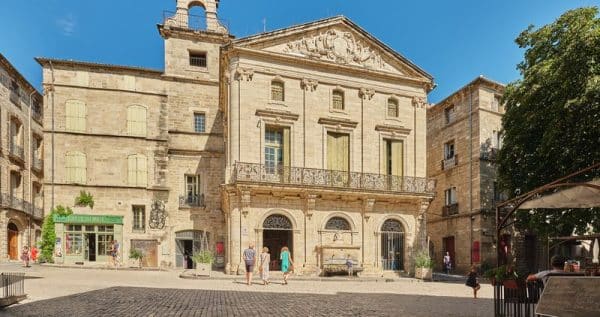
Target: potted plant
column 137, row 255
column 491, row 275
column 204, row 260
column 423, row 266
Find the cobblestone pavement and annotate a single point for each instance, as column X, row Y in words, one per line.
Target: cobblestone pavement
column 76, row 292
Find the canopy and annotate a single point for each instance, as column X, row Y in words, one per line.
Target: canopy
column 582, row 195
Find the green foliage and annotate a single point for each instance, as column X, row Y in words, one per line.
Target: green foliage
column 423, row 260
column 203, row 257
column 49, row 233
column 84, row 199
column 501, row 274
column 136, row 254
column 552, row 120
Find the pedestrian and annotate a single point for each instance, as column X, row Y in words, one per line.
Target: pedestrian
column 265, row 259
column 287, row 265
column 250, row 260
column 472, row 280
column 349, row 266
column 447, row 263
column 557, row 263
column 25, row 256
column 34, row 254
column 115, row 253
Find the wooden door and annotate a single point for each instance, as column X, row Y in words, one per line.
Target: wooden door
column 13, row 245
column 150, row 250
column 449, row 247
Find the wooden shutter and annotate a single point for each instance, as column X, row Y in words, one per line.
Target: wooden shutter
column 69, row 165
column 81, row 116
column 131, row 170
column 397, row 158
column 344, row 153
column 338, row 151
column 136, row 120
column 286, row 147
column 142, row 173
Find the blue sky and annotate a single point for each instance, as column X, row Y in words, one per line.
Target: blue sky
column 452, row 40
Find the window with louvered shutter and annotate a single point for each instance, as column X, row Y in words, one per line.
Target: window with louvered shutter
column 392, row 108
column 75, row 115
column 338, row 100
column 75, row 165
column 136, row 120
column 277, row 90
column 137, row 170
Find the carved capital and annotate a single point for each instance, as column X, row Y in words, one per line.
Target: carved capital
column 48, row 88
column 366, row 93
column 243, row 74
column 309, row 204
column 418, row 102
column 309, row 84
column 368, row 205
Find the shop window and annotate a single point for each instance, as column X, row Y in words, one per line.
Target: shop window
column 105, row 243
column 74, row 243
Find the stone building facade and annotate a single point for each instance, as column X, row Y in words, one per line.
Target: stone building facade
column 463, row 137
column 21, row 162
column 311, row 137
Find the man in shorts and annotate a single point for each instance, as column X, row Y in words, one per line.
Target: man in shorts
column 249, row 256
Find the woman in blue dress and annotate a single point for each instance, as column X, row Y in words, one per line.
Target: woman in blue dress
column 286, row 260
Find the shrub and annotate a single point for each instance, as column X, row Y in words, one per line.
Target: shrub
column 423, row 260
column 203, row 257
column 49, row 233
column 84, row 199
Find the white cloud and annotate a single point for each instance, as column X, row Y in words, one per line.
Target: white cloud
column 67, row 24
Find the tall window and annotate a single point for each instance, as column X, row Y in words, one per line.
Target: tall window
column 277, row 148
column 277, row 90
column 338, row 151
column 198, row 59
column 450, row 196
column 137, row 173
column 392, row 108
column 192, row 189
column 76, row 114
column 449, row 114
column 393, row 157
column 199, row 122
column 449, row 150
column 136, row 120
column 495, row 103
column 139, row 218
column 338, row 100
column 75, row 164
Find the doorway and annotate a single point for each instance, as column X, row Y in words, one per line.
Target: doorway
column 392, row 245
column 277, row 233
column 188, row 243
column 90, row 239
column 448, row 243
column 13, row 241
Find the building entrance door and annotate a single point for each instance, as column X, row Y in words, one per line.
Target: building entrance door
column 90, row 239
column 13, row 241
column 277, row 233
column 149, row 249
column 187, row 244
column 449, row 247
column 392, row 245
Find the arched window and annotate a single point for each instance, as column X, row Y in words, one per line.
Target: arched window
column 337, row 100
column 76, row 114
column 277, row 90
column 137, row 173
column 392, row 245
column 337, row 223
column 392, row 108
column 136, row 120
column 392, row 225
column 76, row 166
column 277, row 222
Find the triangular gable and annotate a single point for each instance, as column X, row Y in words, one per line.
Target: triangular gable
column 336, row 40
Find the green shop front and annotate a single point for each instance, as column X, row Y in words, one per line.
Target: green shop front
column 86, row 238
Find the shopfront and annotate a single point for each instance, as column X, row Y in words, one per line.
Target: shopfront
column 86, row 238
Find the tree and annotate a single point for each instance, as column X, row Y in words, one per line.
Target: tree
column 552, row 121
column 49, row 233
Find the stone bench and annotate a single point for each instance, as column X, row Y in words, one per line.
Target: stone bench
column 333, row 266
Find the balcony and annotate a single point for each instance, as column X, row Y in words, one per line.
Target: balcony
column 300, row 176
column 450, row 162
column 14, row 98
column 191, row 201
column 37, row 115
column 450, row 210
column 12, row 202
column 16, row 151
column 192, row 22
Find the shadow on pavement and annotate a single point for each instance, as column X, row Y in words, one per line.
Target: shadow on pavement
column 134, row 301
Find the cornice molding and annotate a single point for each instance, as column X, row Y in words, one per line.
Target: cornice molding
column 338, row 122
column 277, row 114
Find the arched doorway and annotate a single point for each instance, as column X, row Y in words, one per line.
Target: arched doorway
column 277, row 233
column 187, row 244
column 13, row 241
column 392, row 245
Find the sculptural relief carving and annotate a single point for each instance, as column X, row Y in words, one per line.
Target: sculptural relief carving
column 337, row 46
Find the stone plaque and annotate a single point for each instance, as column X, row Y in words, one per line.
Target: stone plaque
column 570, row 296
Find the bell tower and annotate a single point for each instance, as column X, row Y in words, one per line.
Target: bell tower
column 183, row 19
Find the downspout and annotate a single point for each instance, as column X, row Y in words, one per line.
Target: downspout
column 30, row 165
column 304, row 136
column 52, row 138
column 471, row 174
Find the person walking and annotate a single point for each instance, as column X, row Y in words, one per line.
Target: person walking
column 115, row 253
column 34, row 254
column 250, row 260
column 349, row 265
column 265, row 259
column 25, row 256
column 287, row 265
column 472, row 281
column 447, row 263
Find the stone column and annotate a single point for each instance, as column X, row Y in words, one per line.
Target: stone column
column 367, row 209
column 310, row 266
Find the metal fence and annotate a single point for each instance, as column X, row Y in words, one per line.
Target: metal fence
column 513, row 298
column 12, row 285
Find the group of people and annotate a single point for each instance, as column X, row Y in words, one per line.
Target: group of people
column 29, row 255
column 114, row 253
column 249, row 256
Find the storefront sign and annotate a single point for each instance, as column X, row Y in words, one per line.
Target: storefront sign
column 89, row 219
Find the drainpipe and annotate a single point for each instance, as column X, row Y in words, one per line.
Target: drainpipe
column 471, row 174
column 30, row 165
column 52, row 138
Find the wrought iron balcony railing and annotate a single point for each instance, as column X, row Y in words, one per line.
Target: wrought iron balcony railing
column 191, row 201
column 259, row 173
column 16, row 150
column 191, row 22
column 450, row 162
column 450, row 210
column 13, row 202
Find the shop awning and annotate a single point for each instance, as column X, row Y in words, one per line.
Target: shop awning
column 89, row 219
column 586, row 195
